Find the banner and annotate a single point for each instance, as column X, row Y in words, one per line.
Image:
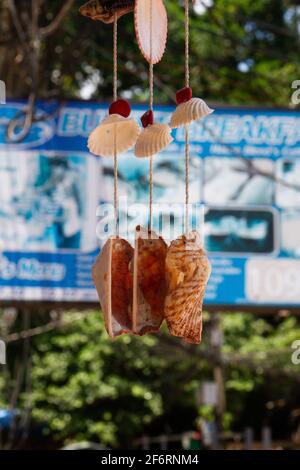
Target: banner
column 244, row 173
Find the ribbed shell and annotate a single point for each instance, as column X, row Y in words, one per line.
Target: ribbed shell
column 187, row 274
column 142, row 21
column 153, row 140
column 192, row 110
column 102, row 140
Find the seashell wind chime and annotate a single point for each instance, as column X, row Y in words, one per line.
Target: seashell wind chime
column 141, row 287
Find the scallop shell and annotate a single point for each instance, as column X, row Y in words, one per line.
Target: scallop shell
column 142, row 21
column 149, row 284
column 192, row 110
column 113, row 282
column 152, row 140
column 187, row 274
column 104, row 10
column 102, row 140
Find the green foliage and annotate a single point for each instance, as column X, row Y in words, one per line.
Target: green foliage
column 260, row 367
column 88, row 387
column 242, row 52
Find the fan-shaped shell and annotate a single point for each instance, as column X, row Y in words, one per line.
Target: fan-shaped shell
column 153, row 140
column 149, row 284
column 142, row 21
column 104, row 10
column 115, row 130
column 192, row 110
column 113, row 281
column 187, row 274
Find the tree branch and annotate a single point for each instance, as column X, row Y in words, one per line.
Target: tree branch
column 55, row 24
column 40, row 330
column 20, row 31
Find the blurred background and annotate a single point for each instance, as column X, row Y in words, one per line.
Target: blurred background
column 63, row 383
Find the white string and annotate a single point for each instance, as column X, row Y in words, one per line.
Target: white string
column 115, row 82
column 151, row 87
column 115, row 93
column 187, row 44
column 187, row 147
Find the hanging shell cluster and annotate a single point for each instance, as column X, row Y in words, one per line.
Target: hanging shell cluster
column 152, row 38
column 118, row 133
column 140, row 288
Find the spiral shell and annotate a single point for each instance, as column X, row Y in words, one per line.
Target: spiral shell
column 153, row 140
column 103, row 141
column 113, row 281
column 104, row 10
column 192, row 110
column 116, row 4
column 187, row 274
column 149, row 283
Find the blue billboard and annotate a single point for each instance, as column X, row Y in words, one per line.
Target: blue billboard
column 244, row 172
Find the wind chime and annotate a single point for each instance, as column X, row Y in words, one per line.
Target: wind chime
column 141, row 287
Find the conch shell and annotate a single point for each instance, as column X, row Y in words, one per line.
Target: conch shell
column 149, row 284
column 114, row 284
column 115, row 133
column 152, row 140
column 104, row 10
column 187, row 274
column 142, row 21
column 192, row 110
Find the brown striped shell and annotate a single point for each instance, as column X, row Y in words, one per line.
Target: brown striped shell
column 187, row 274
column 104, row 10
column 149, row 283
column 113, row 281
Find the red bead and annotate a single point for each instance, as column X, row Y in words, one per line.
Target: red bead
column 121, row 107
column 147, row 118
column 184, row 95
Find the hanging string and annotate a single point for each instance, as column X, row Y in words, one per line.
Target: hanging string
column 151, row 87
column 187, row 148
column 116, row 208
column 187, row 189
column 115, row 93
column 115, row 80
column 187, row 44
column 151, row 192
